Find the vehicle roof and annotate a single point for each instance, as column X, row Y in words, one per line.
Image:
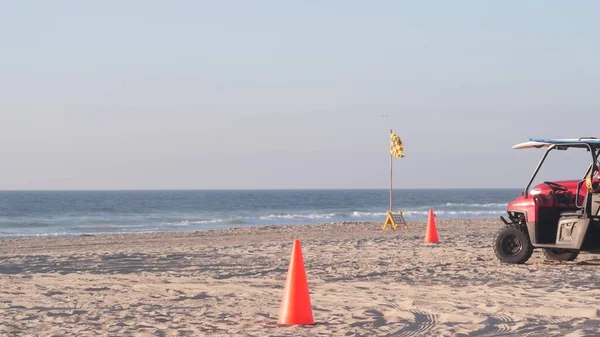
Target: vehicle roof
column 570, row 142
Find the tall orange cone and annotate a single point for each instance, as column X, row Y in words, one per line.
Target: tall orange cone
column 431, row 235
column 295, row 304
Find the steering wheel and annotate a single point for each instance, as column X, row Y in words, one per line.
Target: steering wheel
column 555, row 186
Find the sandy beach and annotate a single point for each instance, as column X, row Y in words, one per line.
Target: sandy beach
column 363, row 282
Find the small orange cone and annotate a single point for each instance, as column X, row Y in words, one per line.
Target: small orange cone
column 295, row 304
column 431, row 235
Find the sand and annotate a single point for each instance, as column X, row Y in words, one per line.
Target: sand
column 363, row 282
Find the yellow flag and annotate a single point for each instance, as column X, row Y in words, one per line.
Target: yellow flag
column 397, row 148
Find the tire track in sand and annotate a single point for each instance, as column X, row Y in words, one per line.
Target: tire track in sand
column 424, row 322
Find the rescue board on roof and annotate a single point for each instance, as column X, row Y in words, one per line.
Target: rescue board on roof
column 544, row 142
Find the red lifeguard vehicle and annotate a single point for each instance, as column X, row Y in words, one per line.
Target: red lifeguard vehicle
column 560, row 217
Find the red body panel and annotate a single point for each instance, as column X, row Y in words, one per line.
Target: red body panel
column 543, row 196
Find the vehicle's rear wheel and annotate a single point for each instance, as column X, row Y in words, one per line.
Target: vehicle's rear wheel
column 512, row 245
column 560, row 254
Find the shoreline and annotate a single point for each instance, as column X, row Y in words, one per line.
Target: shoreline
column 250, row 227
column 344, row 228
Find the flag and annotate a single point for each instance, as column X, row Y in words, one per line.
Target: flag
column 397, row 148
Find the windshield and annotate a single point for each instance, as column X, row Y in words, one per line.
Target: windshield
column 570, row 164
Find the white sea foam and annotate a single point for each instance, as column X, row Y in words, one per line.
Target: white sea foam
column 368, row 214
column 490, row 205
column 446, row 212
column 194, row 222
column 298, row 216
column 339, row 216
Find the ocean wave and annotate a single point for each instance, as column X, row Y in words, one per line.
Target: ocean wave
column 223, row 220
column 490, row 205
column 446, row 212
column 330, row 216
column 368, row 214
column 107, row 226
column 193, row 222
column 299, row 216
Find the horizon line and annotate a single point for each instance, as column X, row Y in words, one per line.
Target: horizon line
column 256, row 189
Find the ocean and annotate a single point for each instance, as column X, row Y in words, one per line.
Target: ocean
column 65, row 213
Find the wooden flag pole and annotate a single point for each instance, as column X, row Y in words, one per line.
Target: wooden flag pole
column 391, row 219
column 391, row 171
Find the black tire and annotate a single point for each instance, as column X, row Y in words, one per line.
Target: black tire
column 560, row 254
column 512, row 245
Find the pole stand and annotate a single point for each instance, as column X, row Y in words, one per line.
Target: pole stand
column 393, row 220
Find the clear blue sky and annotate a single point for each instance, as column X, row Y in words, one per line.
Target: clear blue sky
column 287, row 94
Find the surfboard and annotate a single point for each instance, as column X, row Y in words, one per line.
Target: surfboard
column 530, row 144
column 545, row 142
column 567, row 140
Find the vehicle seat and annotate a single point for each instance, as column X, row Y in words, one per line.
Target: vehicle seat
column 576, row 212
column 592, row 204
column 587, row 206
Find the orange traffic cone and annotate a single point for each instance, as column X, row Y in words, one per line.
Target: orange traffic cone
column 295, row 304
column 431, row 235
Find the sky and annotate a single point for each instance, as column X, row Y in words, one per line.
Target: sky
column 288, row 94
